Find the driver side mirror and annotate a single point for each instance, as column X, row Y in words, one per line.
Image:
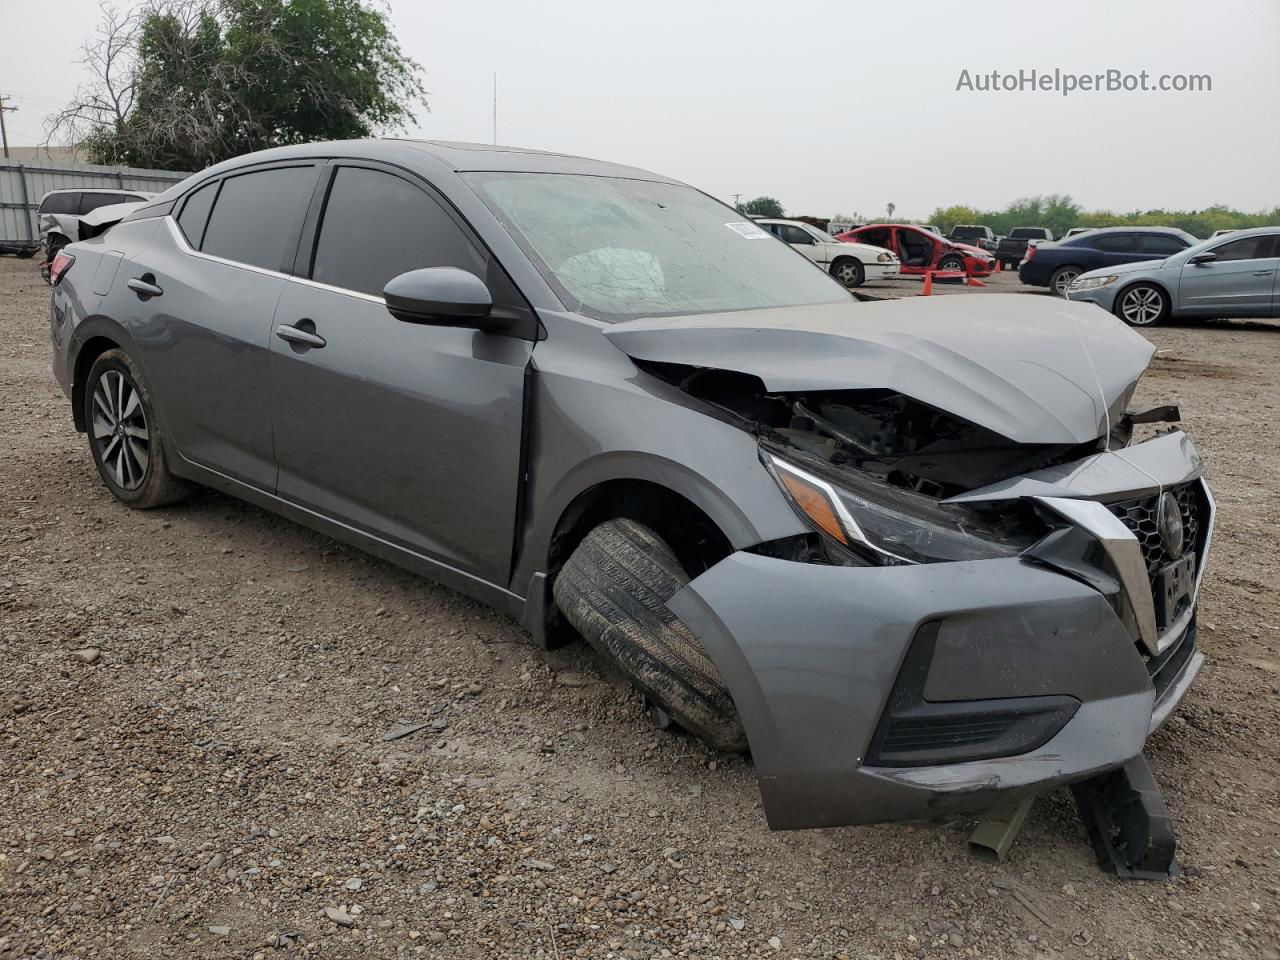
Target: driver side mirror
column 447, row 296
column 1203, row 258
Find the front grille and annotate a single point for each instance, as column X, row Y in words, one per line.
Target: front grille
column 1139, row 515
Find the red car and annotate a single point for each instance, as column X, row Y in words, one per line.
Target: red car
column 920, row 250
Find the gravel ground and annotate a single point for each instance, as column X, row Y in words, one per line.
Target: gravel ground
column 198, row 705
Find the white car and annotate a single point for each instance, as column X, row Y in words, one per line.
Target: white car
column 850, row 263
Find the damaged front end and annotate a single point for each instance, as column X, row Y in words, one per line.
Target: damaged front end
column 992, row 600
column 871, row 470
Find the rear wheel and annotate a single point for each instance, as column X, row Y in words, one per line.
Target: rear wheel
column 849, row 271
column 124, row 436
column 1061, row 279
column 1142, row 305
column 614, row 590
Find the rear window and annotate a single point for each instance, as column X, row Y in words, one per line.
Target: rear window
column 1027, row 233
column 1162, row 244
column 1115, row 243
column 92, row 201
column 258, row 216
column 61, row 203
column 195, row 213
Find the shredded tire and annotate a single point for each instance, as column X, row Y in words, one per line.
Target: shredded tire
column 614, row 591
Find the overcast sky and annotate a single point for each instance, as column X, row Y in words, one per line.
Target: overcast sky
column 833, row 107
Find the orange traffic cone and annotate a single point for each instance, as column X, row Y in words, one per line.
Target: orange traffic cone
column 999, row 265
column 928, row 284
column 973, row 281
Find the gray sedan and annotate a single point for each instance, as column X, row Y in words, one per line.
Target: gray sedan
column 874, row 544
column 1234, row 275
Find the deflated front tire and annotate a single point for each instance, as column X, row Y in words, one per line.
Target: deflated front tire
column 614, row 591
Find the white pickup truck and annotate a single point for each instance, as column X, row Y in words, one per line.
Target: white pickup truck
column 850, row 263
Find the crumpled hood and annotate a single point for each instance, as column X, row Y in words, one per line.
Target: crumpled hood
column 1033, row 369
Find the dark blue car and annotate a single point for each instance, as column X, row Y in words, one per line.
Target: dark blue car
column 1056, row 265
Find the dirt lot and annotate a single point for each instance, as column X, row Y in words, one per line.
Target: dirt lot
column 218, row 780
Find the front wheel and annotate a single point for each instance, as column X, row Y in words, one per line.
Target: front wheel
column 124, row 436
column 1142, row 305
column 952, row 263
column 614, row 591
column 849, row 271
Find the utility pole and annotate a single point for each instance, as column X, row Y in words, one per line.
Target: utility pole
column 4, row 136
column 737, row 202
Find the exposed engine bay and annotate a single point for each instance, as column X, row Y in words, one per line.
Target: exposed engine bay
column 882, row 433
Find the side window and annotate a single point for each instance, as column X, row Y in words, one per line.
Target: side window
column 1159, row 243
column 1248, row 248
column 258, row 215
column 92, row 201
column 195, row 213
column 1115, row 243
column 61, row 203
column 793, row 234
column 377, row 226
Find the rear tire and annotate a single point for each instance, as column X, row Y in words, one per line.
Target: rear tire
column 1061, row 279
column 124, row 435
column 614, row 591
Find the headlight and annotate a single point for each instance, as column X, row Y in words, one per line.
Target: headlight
column 1090, row 283
column 885, row 257
column 888, row 525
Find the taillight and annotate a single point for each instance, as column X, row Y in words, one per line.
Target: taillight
column 1031, row 252
column 61, row 264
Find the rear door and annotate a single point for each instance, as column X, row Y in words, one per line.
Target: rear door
column 1240, row 282
column 410, row 432
column 205, row 339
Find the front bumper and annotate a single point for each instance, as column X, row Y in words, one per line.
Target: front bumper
column 1105, row 297
column 880, row 271
column 814, row 656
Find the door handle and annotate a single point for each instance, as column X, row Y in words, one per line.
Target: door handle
column 300, row 335
column 1263, row 273
column 145, row 286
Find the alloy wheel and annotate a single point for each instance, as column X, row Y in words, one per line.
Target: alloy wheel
column 1063, row 280
column 1141, row 306
column 847, row 273
column 120, row 434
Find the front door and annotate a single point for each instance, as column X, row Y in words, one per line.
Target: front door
column 1237, row 283
column 801, row 240
column 410, row 432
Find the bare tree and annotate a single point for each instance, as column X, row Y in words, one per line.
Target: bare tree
column 105, row 101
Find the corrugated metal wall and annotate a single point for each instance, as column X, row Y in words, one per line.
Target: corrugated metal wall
column 23, row 184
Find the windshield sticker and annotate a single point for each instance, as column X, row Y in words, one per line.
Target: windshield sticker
column 748, row 230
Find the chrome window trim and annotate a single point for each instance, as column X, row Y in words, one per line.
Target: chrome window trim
column 190, row 251
column 184, row 247
column 355, row 294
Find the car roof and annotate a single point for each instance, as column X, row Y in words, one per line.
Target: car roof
column 456, row 156
column 794, row 223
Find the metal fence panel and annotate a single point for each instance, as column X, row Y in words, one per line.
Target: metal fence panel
column 23, row 184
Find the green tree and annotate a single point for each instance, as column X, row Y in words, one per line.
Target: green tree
column 762, row 207
column 211, row 79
